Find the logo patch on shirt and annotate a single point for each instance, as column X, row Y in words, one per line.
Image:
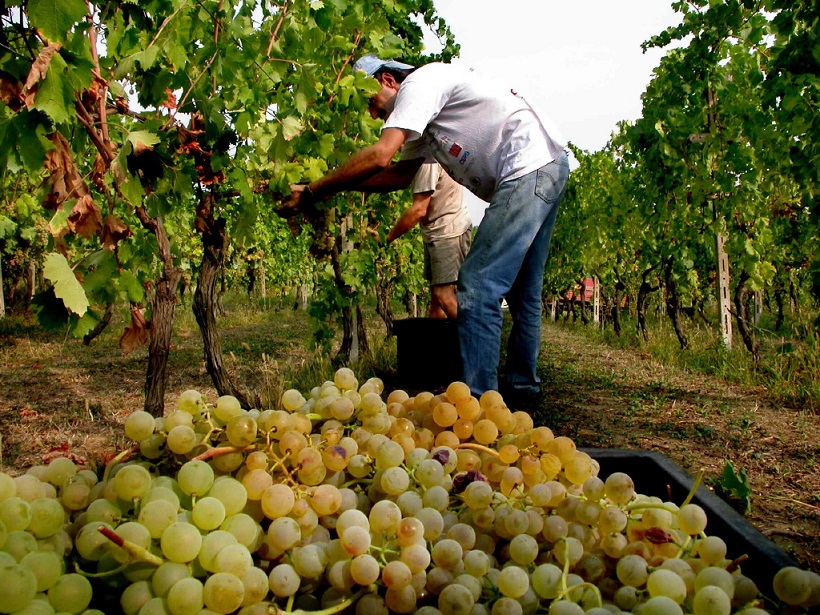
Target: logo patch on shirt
column 455, row 150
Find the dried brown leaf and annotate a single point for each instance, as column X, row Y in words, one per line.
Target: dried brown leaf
column 38, row 72
column 85, row 218
column 135, row 334
column 64, row 180
column 114, row 231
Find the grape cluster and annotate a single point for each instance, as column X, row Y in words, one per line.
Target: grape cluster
column 35, row 516
column 350, row 499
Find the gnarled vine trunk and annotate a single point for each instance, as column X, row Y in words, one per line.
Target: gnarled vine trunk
column 101, row 325
column 214, row 243
column 584, row 315
column 163, row 307
column 644, row 291
column 620, row 287
column 741, row 316
column 673, row 308
column 383, row 309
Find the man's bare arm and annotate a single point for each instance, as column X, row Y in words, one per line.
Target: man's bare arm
column 360, row 167
column 411, row 216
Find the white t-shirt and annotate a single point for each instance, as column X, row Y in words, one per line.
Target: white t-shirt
column 447, row 215
column 482, row 133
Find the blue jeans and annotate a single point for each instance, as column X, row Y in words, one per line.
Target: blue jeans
column 507, row 260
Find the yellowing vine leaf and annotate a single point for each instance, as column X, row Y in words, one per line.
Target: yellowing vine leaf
column 142, row 140
column 66, row 286
column 291, row 127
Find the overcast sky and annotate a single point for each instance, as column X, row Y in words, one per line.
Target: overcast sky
column 582, row 57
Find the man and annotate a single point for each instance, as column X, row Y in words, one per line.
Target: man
column 503, row 149
column 439, row 205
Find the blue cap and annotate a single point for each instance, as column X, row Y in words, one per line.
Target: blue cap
column 371, row 63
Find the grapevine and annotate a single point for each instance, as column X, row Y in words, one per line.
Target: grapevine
column 349, row 499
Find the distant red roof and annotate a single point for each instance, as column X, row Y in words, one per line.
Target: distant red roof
column 574, row 294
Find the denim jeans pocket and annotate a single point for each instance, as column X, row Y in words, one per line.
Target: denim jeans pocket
column 551, row 181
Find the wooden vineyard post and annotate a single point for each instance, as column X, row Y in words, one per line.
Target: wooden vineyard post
column 596, row 301
column 724, row 301
column 2, row 301
column 758, row 307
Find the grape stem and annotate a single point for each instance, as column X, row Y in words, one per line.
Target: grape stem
column 280, row 463
column 693, row 490
column 645, row 505
column 735, row 563
column 565, row 571
column 336, row 608
column 565, row 589
column 477, row 447
column 132, row 549
column 221, row 450
column 357, row 481
column 100, row 575
column 120, row 457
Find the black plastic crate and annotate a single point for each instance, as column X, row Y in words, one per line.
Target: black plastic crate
column 427, row 352
column 655, row 474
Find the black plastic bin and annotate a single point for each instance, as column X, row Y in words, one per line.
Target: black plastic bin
column 656, row 475
column 427, row 352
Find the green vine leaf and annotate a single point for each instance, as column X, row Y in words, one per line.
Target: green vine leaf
column 734, row 485
column 66, row 285
column 54, row 18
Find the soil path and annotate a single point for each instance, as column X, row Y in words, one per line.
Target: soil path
column 609, row 398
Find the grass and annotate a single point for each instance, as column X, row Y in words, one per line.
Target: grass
column 787, row 369
column 272, row 347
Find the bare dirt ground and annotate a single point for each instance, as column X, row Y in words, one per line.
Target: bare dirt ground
column 59, row 397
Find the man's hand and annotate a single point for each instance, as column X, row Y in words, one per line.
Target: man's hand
column 299, row 208
column 295, row 203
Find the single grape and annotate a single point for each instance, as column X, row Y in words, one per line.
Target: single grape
column 195, row 478
column 227, row 406
column 139, row 425
column 283, row 580
column 190, row 401
column 235, row 559
column 711, row 600
column 19, row 585
column 223, row 593
column 792, row 585
column 182, row 439
column 208, row 513
column 180, row 542
column 70, row 594
column 131, row 482
column 241, row 430
column 456, row 599
column 513, row 581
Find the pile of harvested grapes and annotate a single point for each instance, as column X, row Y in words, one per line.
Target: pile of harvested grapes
column 348, row 499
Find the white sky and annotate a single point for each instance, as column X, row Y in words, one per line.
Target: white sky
column 582, row 57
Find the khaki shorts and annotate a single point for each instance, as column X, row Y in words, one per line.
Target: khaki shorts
column 443, row 258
